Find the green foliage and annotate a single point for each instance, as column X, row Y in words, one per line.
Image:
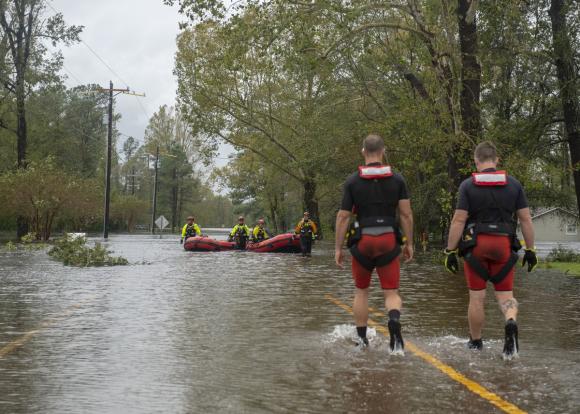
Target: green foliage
column 28, row 238
column 73, row 251
column 569, row 268
column 128, row 210
column 43, row 193
column 295, row 86
column 561, row 254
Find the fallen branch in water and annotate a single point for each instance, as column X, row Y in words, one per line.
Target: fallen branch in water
column 73, row 251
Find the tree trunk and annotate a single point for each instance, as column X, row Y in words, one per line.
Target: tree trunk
column 21, row 136
column 174, row 194
column 311, row 202
column 470, row 70
column 273, row 204
column 180, row 206
column 568, row 82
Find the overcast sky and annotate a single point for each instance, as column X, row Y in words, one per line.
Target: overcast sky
column 136, row 38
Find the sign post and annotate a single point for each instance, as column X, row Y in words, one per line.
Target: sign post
column 161, row 223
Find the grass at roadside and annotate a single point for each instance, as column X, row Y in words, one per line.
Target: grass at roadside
column 570, row 268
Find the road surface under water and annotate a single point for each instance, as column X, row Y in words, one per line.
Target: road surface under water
column 242, row 332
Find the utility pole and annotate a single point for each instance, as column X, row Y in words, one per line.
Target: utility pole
column 155, row 192
column 110, row 91
column 108, row 173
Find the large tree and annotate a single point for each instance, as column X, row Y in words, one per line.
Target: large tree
column 568, row 79
column 25, row 60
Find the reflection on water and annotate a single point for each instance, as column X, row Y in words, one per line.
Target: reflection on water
column 244, row 332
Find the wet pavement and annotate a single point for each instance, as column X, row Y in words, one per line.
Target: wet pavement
column 242, row 332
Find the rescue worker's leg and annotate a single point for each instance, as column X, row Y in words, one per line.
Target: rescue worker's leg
column 389, row 276
column 509, row 307
column 393, row 304
column 361, row 314
column 305, row 244
column 506, row 301
column 476, row 317
column 362, row 281
column 477, row 285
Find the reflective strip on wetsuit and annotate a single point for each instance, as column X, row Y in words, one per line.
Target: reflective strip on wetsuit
column 382, row 171
column 490, row 178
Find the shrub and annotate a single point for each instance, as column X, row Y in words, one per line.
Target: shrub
column 73, row 251
column 561, row 254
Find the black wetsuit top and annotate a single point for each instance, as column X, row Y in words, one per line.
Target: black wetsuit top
column 491, row 204
column 376, row 197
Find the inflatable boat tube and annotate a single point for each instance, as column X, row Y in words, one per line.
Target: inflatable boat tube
column 282, row 243
column 207, row 244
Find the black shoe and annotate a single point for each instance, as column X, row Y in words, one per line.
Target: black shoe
column 475, row 344
column 362, row 342
column 510, row 347
column 396, row 345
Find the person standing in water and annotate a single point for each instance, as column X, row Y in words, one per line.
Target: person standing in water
column 307, row 230
column 374, row 193
column 483, row 231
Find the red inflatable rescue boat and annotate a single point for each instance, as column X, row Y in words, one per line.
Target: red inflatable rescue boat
column 207, row 244
column 282, row 243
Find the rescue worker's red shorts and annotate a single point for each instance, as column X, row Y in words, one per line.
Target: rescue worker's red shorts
column 373, row 246
column 493, row 252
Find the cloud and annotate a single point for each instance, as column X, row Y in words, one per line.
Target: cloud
column 136, row 38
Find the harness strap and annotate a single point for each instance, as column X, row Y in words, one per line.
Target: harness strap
column 379, row 261
column 484, row 274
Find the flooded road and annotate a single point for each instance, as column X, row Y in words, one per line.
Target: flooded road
column 242, row 332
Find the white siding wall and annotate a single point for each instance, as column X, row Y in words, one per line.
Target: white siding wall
column 552, row 227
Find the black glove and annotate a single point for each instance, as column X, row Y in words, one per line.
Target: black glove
column 451, row 262
column 530, row 258
column 181, row 241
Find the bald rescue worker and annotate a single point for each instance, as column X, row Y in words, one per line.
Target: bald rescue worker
column 374, row 194
column 483, row 231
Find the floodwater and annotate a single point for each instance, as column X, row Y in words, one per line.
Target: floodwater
column 242, row 332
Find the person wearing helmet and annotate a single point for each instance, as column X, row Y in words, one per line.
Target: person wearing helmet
column 190, row 229
column 260, row 233
column 240, row 233
column 307, row 230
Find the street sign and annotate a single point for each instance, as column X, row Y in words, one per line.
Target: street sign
column 161, row 222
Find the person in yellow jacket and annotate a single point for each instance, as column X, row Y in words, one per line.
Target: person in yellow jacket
column 260, row 233
column 307, row 230
column 190, row 229
column 240, row 234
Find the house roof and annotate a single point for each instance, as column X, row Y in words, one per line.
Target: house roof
column 543, row 212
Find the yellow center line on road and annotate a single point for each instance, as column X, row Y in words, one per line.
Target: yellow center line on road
column 22, row 340
column 471, row 385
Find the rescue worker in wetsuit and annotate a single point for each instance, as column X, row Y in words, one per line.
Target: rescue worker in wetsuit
column 307, row 230
column 240, row 234
column 260, row 233
column 374, row 194
column 190, row 229
column 484, row 229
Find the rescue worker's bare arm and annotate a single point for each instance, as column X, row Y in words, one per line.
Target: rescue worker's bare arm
column 342, row 220
column 525, row 219
column 456, row 228
column 406, row 218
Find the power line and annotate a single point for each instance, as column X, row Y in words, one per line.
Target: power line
column 47, row 2
column 113, row 72
column 72, row 74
